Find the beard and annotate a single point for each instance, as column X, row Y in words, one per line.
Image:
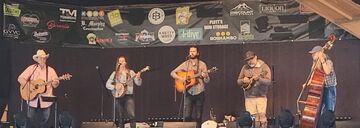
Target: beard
column 194, row 57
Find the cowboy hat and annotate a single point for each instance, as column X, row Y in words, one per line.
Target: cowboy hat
column 40, row 53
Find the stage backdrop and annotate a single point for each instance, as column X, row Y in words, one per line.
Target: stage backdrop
column 203, row 23
column 155, row 98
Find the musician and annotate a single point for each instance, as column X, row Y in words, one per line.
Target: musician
column 255, row 71
column 122, row 77
column 194, row 95
column 39, row 110
column 323, row 62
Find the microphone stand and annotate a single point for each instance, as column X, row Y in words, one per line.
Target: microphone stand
column 273, row 92
column 28, row 89
column 102, row 92
column 184, row 93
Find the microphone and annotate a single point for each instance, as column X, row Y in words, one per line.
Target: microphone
column 188, row 56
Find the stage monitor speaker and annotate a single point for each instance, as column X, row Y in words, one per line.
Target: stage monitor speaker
column 179, row 125
column 98, row 125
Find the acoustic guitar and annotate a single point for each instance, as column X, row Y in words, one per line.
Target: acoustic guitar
column 190, row 78
column 37, row 87
column 120, row 88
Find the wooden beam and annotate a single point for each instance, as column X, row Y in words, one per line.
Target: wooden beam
column 336, row 8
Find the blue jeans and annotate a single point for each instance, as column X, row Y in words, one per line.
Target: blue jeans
column 329, row 98
column 194, row 103
column 38, row 117
column 125, row 107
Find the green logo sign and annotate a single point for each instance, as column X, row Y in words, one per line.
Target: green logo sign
column 190, row 34
column 12, row 10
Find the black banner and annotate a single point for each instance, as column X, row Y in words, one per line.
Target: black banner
column 200, row 23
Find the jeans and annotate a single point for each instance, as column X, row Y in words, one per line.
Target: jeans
column 195, row 102
column 125, row 107
column 38, row 117
column 329, row 98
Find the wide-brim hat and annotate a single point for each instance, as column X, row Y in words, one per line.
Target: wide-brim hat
column 40, row 53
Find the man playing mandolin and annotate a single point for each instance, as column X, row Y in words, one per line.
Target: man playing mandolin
column 194, row 92
column 121, row 83
column 255, row 77
column 39, row 110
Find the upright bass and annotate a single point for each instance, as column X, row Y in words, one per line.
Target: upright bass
column 315, row 83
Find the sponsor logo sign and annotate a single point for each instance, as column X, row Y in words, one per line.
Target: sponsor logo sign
column 103, row 40
column 156, row 16
column 68, row 15
column 92, row 15
column 216, row 24
column 11, row 10
column 41, row 36
column 91, row 37
column 30, row 20
column 11, row 31
column 144, row 37
column 122, row 36
column 183, row 15
column 190, row 34
column 114, row 17
column 222, row 36
column 51, row 24
column 241, row 9
column 245, row 33
column 93, row 25
column 166, row 34
column 272, row 8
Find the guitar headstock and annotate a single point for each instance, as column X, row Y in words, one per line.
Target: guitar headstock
column 66, row 76
column 147, row 68
column 213, row 69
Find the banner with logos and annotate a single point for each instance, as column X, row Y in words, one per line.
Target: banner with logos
column 202, row 23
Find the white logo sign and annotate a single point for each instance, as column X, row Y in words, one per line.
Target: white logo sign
column 272, row 8
column 41, row 36
column 144, row 37
column 216, row 24
column 67, row 15
column 93, row 25
column 241, row 10
column 30, row 20
column 166, row 34
column 11, row 31
column 156, row 16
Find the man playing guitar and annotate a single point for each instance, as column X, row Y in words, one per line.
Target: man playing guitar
column 39, row 110
column 123, row 79
column 194, row 94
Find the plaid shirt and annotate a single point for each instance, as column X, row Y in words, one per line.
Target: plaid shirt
column 330, row 80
